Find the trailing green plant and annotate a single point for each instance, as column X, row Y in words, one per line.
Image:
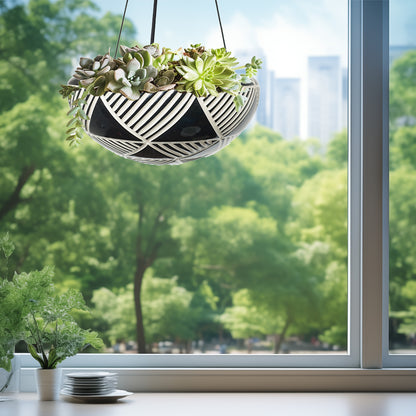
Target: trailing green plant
column 31, row 310
column 149, row 69
column 77, row 114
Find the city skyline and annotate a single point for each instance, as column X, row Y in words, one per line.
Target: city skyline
column 281, row 104
column 311, row 106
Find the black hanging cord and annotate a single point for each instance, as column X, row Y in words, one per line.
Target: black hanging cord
column 152, row 35
column 219, row 19
column 121, row 28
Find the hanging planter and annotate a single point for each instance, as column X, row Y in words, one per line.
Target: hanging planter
column 158, row 106
column 167, row 127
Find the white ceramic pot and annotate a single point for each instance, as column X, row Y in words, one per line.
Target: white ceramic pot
column 48, row 383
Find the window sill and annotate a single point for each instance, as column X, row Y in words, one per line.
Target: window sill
column 207, row 404
column 251, row 380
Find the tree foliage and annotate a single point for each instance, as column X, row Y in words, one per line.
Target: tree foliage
column 171, row 313
column 250, row 242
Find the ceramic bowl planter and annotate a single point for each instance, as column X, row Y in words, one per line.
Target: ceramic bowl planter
column 48, row 382
column 162, row 107
column 167, row 127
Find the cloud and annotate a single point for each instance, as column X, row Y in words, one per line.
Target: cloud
column 290, row 34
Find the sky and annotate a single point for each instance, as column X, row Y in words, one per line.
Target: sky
column 285, row 32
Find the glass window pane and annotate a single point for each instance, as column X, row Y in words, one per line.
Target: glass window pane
column 402, row 177
column 242, row 252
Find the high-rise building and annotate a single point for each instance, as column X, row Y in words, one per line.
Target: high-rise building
column 324, row 97
column 286, row 107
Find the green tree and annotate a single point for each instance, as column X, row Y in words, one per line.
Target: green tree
column 320, row 227
column 403, row 148
column 402, row 90
column 170, row 312
column 337, row 152
column 248, row 319
column 402, row 232
column 146, row 202
column 402, row 181
column 321, row 212
column 105, row 221
column 277, row 167
column 49, row 198
column 37, row 42
column 240, row 249
column 405, row 319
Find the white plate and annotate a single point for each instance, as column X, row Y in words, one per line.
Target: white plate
column 98, row 374
column 87, row 385
column 87, row 393
column 77, row 382
column 107, row 398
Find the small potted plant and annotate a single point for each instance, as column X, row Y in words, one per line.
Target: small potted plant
column 159, row 106
column 32, row 310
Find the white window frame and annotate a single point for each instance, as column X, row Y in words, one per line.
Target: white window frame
column 367, row 364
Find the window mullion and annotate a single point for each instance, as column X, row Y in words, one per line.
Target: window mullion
column 374, row 134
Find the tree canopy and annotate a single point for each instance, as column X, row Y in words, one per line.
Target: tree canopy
column 251, row 242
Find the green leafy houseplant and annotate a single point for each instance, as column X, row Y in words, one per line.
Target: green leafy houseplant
column 31, row 310
column 150, row 69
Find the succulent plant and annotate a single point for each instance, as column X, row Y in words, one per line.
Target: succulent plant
column 204, row 76
column 95, row 71
column 165, row 80
column 153, row 49
column 131, row 78
column 224, row 58
column 165, row 59
column 74, row 126
column 197, row 75
column 194, row 50
column 252, row 67
column 216, row 73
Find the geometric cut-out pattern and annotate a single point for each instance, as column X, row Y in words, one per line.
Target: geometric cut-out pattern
column 168, row 127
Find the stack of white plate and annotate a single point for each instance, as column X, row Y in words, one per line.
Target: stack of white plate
column 92, row 387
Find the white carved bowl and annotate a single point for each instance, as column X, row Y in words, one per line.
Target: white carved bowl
column 168, row 127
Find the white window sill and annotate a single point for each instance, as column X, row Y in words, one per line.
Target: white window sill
column 208, row 404
column 250, row 379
